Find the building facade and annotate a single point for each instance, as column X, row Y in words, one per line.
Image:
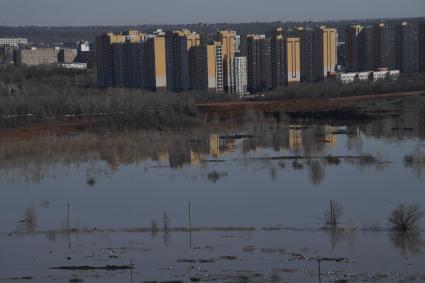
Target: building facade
column 13, row 41
column 311, row 44
column 384, row 46
column 422, row 46
column 366, row 53
column 259, row 63
column 329, row 38
column 155, row 63
column 106, row 45
column 293, row 60
column 279, row 68
column 180, row 66
column 407, row 47
column 40, row 56
column 237, row 76
column 352, row 36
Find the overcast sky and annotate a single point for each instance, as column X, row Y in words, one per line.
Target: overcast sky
column 132, row 12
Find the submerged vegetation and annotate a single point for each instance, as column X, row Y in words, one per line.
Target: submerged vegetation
column 405, row 218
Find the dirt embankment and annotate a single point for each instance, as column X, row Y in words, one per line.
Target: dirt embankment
column 42, row 128
column 221, row 109
column 300, row 105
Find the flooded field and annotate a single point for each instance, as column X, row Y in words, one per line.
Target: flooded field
column 228, row 203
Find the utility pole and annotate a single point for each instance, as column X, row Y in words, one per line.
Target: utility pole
column 68, row 228
column 320, row 272
column 190, row 229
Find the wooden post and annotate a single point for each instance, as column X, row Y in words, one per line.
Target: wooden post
column 320, row 272
column 190, row 229
column 131, row 270
column 68, row 228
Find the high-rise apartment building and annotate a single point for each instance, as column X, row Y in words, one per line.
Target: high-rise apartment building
column 311, row 45
column 180, row 67
column 407, row 47
column 215, row 67
column 278, row 58
column 318, row 52
column 227, row 38
column 155, row 62
column 230, row 44
column 259, row 63
column 330, row 41
column 134, row 62
column 384, row 46
column 106, row 67
column 293, row 60
column 422, row 46
column 237, row 75
column 352, row 36
column 360, row 48
column 237, row 44
column 366, row 52
column 207, row 67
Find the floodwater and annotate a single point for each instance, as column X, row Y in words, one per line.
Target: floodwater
column 257, row 192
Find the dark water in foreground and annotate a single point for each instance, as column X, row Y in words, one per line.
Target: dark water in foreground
column 258, row 193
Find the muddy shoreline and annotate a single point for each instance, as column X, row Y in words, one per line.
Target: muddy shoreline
column 340, row 108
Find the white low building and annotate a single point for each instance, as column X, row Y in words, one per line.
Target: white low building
column 76, row 66
column 367, row 76
column 13, row 41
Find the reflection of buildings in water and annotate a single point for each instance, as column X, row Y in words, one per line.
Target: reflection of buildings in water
column 163, row 156
column 220, row 146
column 179, row 155
column 195, row 157
column 295, row 137
column 330, row 136
column 421, row 124
column 214, row 145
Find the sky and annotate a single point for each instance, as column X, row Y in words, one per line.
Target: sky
column 134, row 12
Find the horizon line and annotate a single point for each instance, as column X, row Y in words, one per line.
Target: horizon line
column 208, row 23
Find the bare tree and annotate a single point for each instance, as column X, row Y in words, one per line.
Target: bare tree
column 166, row 223
column 333, row 213
column 154, row 228
column 405, row 218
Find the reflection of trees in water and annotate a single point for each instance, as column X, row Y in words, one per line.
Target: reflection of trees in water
column 103, row 152
column 317, row 172
column 28, row 224
column 337, row 235
column 408, row 120
column 408, row 242
column 416, row 162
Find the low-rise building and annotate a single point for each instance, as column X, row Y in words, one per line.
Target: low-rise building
column 367, row 76
column 13, row 41
column 76, row 66
column 38, row 56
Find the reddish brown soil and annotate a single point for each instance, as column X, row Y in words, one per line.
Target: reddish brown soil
column 222, row 109
column 42, row 128
column 296, row 105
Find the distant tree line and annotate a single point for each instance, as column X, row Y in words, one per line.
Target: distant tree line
column 51, row 92
column 70, row 35
column 39, row 93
